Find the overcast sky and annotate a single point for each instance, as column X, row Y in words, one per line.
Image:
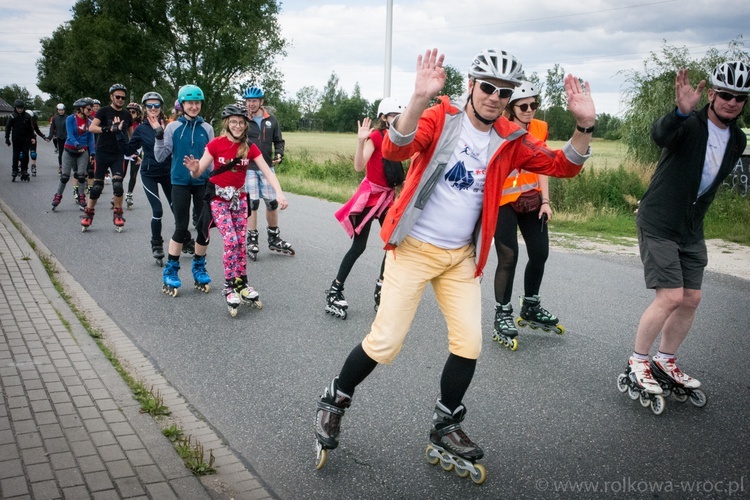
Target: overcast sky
column 592, row 39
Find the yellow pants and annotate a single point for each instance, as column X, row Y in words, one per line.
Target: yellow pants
column 408, row 269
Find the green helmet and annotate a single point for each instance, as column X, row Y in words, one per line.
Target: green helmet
column 190, row 93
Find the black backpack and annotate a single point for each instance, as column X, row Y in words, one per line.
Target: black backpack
column 394, row 172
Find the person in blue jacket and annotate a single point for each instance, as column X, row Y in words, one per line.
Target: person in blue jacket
column 153, row 172
column 79, row 150
column 188, row 135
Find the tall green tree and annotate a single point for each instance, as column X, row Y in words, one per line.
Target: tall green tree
column 455, row 83
column 162, row 45
column 10, row 93
column 649, row 93
column 554, row 95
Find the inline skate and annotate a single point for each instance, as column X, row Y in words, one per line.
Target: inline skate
column 639, row 383
column 33, row 170
column 129, row 200
column 451, row 447
column 378, row 288
column 232, row 297
column 188, row 247
column 504, row 331
column 118, row 219
column 56, row 201
column 86, row 219
column 252, row 244
column 276, row 244
column 171, row 278
column 75, row 194
column 13, row 175
column 331, row 407
column 674, row 382
column 201, row 279
column 157, row 251
column 25, row 176
column 248, row 295
column 81, row 201
column 336, row 305
column 535, row 316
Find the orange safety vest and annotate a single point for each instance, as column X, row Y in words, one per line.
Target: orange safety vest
column 520, row 182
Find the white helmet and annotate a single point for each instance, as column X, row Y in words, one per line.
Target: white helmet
column 389, row 105
column 494, row 63
column 61, row 106
column 732, row 75
column 526, row 89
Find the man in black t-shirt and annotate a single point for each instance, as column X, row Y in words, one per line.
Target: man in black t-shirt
column 107, row 122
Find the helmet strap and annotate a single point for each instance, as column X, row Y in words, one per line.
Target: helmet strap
column 725, row 121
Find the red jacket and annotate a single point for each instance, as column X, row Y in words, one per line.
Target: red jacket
column 433, row 143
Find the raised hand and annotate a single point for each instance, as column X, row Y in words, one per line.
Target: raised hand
column 430, row 74
column 191, row 163
column 580, row 103
column 685, row 96
column 363, row 129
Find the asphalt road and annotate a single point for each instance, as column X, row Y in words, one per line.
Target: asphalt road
column 548, row 416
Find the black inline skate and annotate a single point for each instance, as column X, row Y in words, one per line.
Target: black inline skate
column 378, row 288
column 451, row 447
column 13, row 175
column 639, row 383
column 252, row 244
column 675, row 383
column 25, row 176
column 276, row 244
column 331, row 407
column 504, row 330
column 157, row 251
column 535, row 316
column 188, row 247
column 336, row 305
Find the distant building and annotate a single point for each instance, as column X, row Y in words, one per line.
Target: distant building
column 6, row 110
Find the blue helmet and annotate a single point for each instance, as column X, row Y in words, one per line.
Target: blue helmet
column 252, row 93
column 190, row 93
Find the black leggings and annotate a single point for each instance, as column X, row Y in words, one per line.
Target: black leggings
column 359, row 244
column 535, row 235
column 21, row 155
column 151, row 187
column 60, row 145
column 133, row 168
column 181, row 198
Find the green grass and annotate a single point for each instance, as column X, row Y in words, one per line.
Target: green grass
column 597, row 203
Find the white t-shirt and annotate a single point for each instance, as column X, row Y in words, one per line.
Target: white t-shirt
column 451, row 213
column 717, row 146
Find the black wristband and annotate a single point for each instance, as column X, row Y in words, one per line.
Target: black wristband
column 589, row 130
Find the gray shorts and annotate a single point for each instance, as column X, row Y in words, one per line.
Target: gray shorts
column 258, row 187
column 668, row 264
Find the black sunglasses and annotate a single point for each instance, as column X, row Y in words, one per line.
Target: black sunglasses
column 489, row 89
column 525, row 106
column 153, row 106
column 728, row 96
column 120, row 97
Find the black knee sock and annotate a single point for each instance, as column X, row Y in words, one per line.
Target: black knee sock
column 455, row 381
column 357, row 367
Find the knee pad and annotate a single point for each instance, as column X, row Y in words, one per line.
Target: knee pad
column 96, row 189
column 117, row 188
column 254, row 204
column 271, row 205
column 32, row 154
column 81, row 179
column 64, row 178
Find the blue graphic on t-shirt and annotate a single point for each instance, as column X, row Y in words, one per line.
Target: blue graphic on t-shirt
column 460, row 178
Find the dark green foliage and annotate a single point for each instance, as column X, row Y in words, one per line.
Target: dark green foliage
column 607, row 188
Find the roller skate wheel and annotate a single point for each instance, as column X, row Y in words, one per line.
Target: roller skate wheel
column 232, row 311
column 479, row 476
column 559, row 329
column 118, row 229
column 657, row 404
column 445, row 463
column 680, row 396
column 512, row 344
column 160, row 262
column 172, row 292
column 258, row 304
column 461, row 472
column 698, row 398
column 432, row 455
column 83, row 229
column 321, row 455
column 622, row 382
column 633, row 393
column 644, row 400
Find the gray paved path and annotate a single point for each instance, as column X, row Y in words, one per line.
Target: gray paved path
column 69, row 426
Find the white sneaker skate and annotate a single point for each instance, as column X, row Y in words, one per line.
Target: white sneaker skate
column 670, row 369
column 640, row 373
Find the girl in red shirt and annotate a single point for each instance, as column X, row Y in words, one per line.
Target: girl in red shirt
column 230, row 155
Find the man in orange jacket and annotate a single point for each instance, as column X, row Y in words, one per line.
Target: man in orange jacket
column 440, row 229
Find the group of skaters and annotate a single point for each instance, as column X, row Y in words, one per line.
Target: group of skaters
column 21, row 132
column 479, row 168
column 478, row 171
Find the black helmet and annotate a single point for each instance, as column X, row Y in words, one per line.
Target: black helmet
column 18, row 103
column 83, row 102
column 118, row 86
column 234, row 110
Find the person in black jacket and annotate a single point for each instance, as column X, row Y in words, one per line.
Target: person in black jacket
column 58, row 133
column 699, row 150
column 22, row 130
